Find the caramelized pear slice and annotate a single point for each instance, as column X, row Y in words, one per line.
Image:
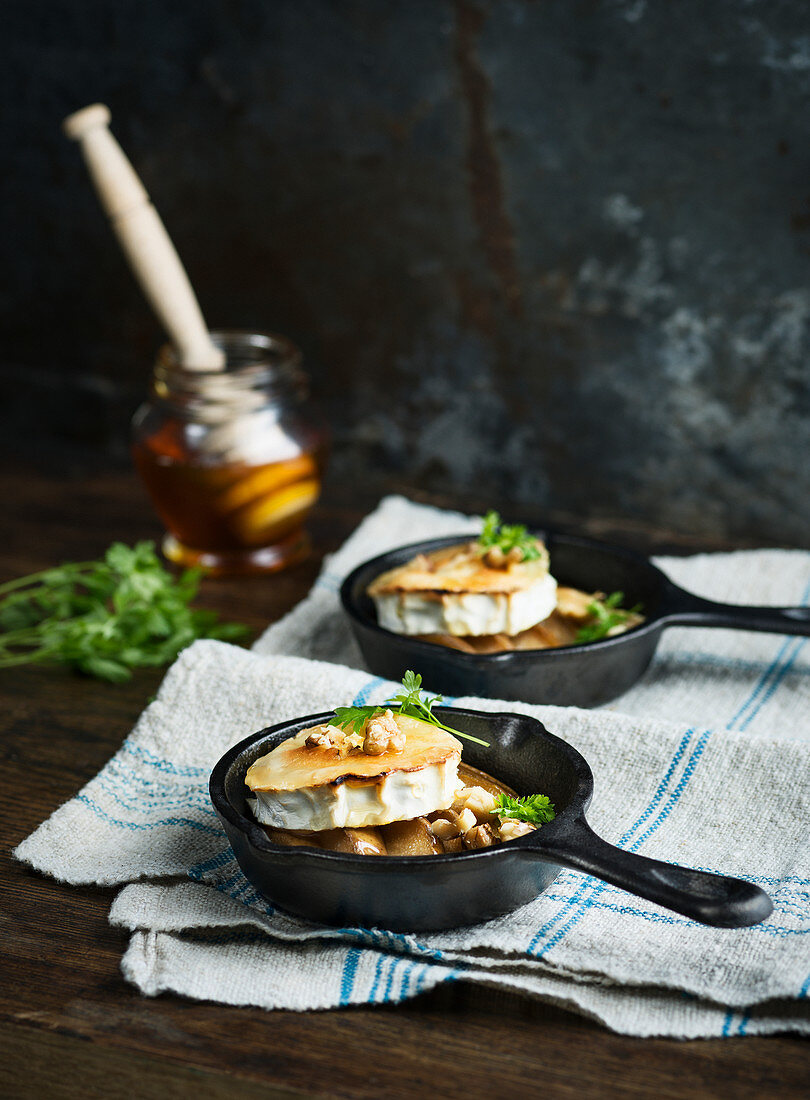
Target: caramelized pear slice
column 359, row 842
column 410, row 838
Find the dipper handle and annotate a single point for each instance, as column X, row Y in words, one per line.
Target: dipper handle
column 143, row 237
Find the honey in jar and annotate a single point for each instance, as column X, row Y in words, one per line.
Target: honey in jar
column 232, row 458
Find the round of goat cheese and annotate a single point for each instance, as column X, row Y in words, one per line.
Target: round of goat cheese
column 315, row 787
column 453, row 591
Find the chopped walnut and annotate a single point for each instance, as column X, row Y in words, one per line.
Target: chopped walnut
column 324, row 737
column 465, row 819
column 383, row 735
column 495, row 558
column 458, row 829
column 481, row 836
column 444, row 829
column 511, row 828
column 452, row 823
column 480, row 801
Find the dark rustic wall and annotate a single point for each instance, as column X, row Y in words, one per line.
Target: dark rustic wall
column 553, row 252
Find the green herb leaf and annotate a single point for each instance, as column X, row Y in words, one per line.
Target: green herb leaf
column 506, row 537
column 605, row 615
column 354, row 717
column 536, row 809
column 105, row 617
column 411, row 701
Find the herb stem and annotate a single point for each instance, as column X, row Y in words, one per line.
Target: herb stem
column 466, row 736
column 22, row 582
column 26, row 658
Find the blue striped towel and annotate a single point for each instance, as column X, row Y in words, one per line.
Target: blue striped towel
column 722, row 784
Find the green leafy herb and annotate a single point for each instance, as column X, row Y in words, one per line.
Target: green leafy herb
column 605, row 614
column 411, row 701
column 506, row 537
column 105, row 617
column 534, row 808
column 354, row 718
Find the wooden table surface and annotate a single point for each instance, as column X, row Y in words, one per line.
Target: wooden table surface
column 70, row 1025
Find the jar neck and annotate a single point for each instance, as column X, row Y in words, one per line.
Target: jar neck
column 259, row 368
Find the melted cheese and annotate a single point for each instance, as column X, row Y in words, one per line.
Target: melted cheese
column 297, row 787
column 453, row 591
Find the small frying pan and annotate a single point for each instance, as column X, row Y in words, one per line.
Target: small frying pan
column 580, row 675
column 418, row 893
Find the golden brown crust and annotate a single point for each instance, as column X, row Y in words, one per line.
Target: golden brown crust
column 457, row 569
column 291, row 766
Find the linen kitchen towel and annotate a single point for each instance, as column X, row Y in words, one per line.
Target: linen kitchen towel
column 707, row 795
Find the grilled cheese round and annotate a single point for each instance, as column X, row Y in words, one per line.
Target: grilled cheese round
column 457, row 591
column 322, row 779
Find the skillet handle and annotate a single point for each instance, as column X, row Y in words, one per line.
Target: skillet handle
column 718, row 900
column 682, row 608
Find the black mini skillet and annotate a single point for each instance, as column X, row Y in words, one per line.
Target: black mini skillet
column 418, row 893
column 580, row 675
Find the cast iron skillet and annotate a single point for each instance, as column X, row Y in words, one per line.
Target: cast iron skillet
column 580, row 675
column 417, row 893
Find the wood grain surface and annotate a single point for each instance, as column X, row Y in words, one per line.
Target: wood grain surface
column 71, row 1027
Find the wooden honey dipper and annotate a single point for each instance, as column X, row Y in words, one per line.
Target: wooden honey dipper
column 234, row 434
column 144, row 239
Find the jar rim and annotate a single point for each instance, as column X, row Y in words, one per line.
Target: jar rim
column 245, row 351
column 254, row 361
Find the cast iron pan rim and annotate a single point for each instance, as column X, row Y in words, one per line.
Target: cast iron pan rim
column 519, row 656
column 259, row 839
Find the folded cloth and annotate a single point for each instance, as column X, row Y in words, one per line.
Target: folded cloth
column 707, row 765
column 583, row 943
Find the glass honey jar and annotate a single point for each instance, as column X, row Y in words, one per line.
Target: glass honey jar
column 232, row 458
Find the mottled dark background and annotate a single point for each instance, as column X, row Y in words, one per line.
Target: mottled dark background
column 551, row 253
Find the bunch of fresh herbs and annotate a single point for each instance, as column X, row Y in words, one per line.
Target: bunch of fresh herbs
column 105, row 617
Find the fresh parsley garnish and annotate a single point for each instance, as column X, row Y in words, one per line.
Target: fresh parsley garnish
column 105, row 617
column 605, row 614
column 411, row 701
column 508, row 536
column 353, row 718
column 536, row 809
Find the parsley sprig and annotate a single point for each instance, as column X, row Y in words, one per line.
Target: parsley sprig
column 508, row 536
column 536, row 809
column 105, row 617
column 411, row 701
column 605, row 614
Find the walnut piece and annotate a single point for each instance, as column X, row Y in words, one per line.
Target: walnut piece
column 324, row 737
column 511, row 828
column 480, row 801
column 495, row 558
column 452, row 823
column 480, row 836
column 444, row 829
column 383, row 735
